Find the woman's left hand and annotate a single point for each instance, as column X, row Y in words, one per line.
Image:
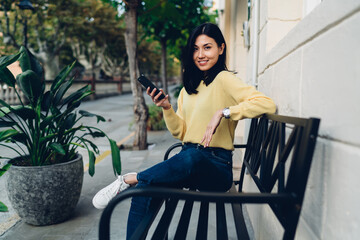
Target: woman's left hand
column 211, row 128
column 164, row 103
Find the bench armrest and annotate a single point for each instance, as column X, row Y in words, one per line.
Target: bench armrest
column 226, row 197
column 240, row 145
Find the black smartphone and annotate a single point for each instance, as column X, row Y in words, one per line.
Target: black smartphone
column 147, row 83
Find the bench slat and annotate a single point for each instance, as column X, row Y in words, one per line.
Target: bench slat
column 266, row 154
column 183, row 226
column 201, row 233
column 279, row 172
column 239, row 222
column 240, row 226
column 145, row 224
column 270, row 157
column 164, row 223
column 254, row 177
column 221, row 228
column 256, row 154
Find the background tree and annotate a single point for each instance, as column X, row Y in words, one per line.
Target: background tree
column 96, row 38
column 169, row 22
column 10, row 27
column 114, row 60
column 140, row 108
column 161, row 20
column 193, row 13
column 57, row 24
column 46, row 30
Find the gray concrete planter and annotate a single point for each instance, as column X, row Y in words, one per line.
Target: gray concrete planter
column 48, row 194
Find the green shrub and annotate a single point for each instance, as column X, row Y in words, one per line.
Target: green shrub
column 156, row 120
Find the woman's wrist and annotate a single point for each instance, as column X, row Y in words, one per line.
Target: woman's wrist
column 220, row 113
column 226, row 113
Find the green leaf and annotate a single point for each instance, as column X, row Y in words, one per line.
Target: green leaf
column 73, row 105
column 60, row 78
column 46, row 101
column 116, row 161
column 4, row 169
column 76, row 95
column 76, row 103
column 97, row 134
column 7, row 108
column 4, row 111
column 4, row 123
column 55, row 111
column 30, row 84
column 20, row 137
column 7, row 77
column 70, row 121
column 48, row 137
column 88, row 114
column 25, row 113
column 94, row 147
column 30, row 62
column 47, row 121
column 91, row 163
column 58, row 148
column 6, row 134
column 61, row 92
column 3, row 207
column 24, row 60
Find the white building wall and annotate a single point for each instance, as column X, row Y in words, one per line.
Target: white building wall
column 309, row 63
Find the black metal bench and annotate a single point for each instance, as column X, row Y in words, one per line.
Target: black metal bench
column 278, row 156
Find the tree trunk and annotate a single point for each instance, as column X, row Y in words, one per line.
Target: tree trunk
column 50, row 62
column 140, row 108
column 163, row 66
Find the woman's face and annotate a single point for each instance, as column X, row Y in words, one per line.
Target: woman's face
column 206, row 52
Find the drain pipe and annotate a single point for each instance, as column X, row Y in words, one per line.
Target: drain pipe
column 256, row 17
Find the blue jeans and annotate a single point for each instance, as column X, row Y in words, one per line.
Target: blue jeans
column 205, row 169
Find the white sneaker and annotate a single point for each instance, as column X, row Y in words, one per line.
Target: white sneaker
column 103, row 197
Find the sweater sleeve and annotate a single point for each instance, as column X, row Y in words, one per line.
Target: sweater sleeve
column 249, row 103
column 175, row 120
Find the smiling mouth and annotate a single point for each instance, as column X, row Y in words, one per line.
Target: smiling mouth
column 201, row 63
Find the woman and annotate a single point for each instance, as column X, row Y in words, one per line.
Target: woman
column 209, row 107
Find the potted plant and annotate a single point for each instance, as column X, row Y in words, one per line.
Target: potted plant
column 45, row 179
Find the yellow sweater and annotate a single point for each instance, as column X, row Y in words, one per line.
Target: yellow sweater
column 196, row 110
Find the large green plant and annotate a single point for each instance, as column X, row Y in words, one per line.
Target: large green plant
column 46, row 130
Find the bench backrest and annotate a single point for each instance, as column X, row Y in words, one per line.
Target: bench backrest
column 278, row 153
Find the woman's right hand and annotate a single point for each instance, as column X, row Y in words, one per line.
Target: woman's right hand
column 164, row 103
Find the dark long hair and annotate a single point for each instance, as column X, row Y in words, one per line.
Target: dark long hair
column 191, row 74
